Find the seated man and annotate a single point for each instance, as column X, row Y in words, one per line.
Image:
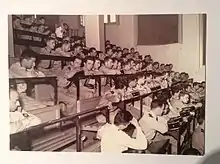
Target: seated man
column 64, row 49
column 46, row 66
column 154, row 125
column 19, row 119
column 114, row 140
column 107, row 67
column 26, row 66
column 183, row 101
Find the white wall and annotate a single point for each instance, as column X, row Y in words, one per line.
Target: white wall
column 123, row 34
column 185, row 56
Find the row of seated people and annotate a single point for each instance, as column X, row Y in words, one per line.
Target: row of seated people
column 148, row 130
column 29, row 24
column 67, row 89
column 175, row 104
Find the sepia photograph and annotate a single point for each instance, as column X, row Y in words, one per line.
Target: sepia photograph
column 107, row 83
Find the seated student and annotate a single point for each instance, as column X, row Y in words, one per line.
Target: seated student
column 43, row 30
column 157, row 77
column 89, row 84
column 149, row 80
column 147, row 58
column 184, row 101
column 162, row 67
column 171, row 67
column 156, row 66
column 19, row 119
column 107, row 67
column 126, row 66
column 132, row 64
column 125, row 51
column 26, row 66
column 114, row 54
column 66, row 87
column 46, row 66
column 96, row 67
column 175, row 93
column 64, row 49
column 119, row 67
column 114, row 47
column 17, row 23
column 119, row 54
column 77, row 50
column 34, row 28
column 114, row 140
column 92, row 52
column 153, row 124
column 115, row 63
column 109, row 52
column 198, row 137
column 132, row 50
column 137, row 67
column 163, row 81
column 119, row 48
column 116, row 94
column 176, row 77
column 132, row 91
column 167, row 68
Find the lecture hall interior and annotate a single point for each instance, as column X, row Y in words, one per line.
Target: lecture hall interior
column 107, row 83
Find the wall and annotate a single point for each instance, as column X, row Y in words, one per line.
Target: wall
column 185, row 56
column 123, row 34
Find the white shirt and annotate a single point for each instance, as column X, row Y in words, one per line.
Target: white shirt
column 18, row 122
column 116, row 141
column 59, row 32
column 150, row 124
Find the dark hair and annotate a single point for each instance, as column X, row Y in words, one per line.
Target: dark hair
column 77, row 45
column 49, row 39
column 195, row 83
column 183, row 93
column 28, row 54
column 119, row 82
column 107, row 58
column 175, row 89
column 92, row 49
column 130, row 60
column 156, row 103
column 77, row 57
column 155, row 63
column 114, row 59
column 191, row 151
column 119, row 51
column 89, row 58
column 108, row 49
column 123, row 117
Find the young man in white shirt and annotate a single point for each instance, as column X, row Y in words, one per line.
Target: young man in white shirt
column 19, row 119
column 154, row 124
column 114, row 140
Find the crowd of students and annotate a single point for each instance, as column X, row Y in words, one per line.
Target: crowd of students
column 116, row 61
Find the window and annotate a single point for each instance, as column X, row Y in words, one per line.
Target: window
column 108, row 19
column 82, row 20
column 158, row 29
